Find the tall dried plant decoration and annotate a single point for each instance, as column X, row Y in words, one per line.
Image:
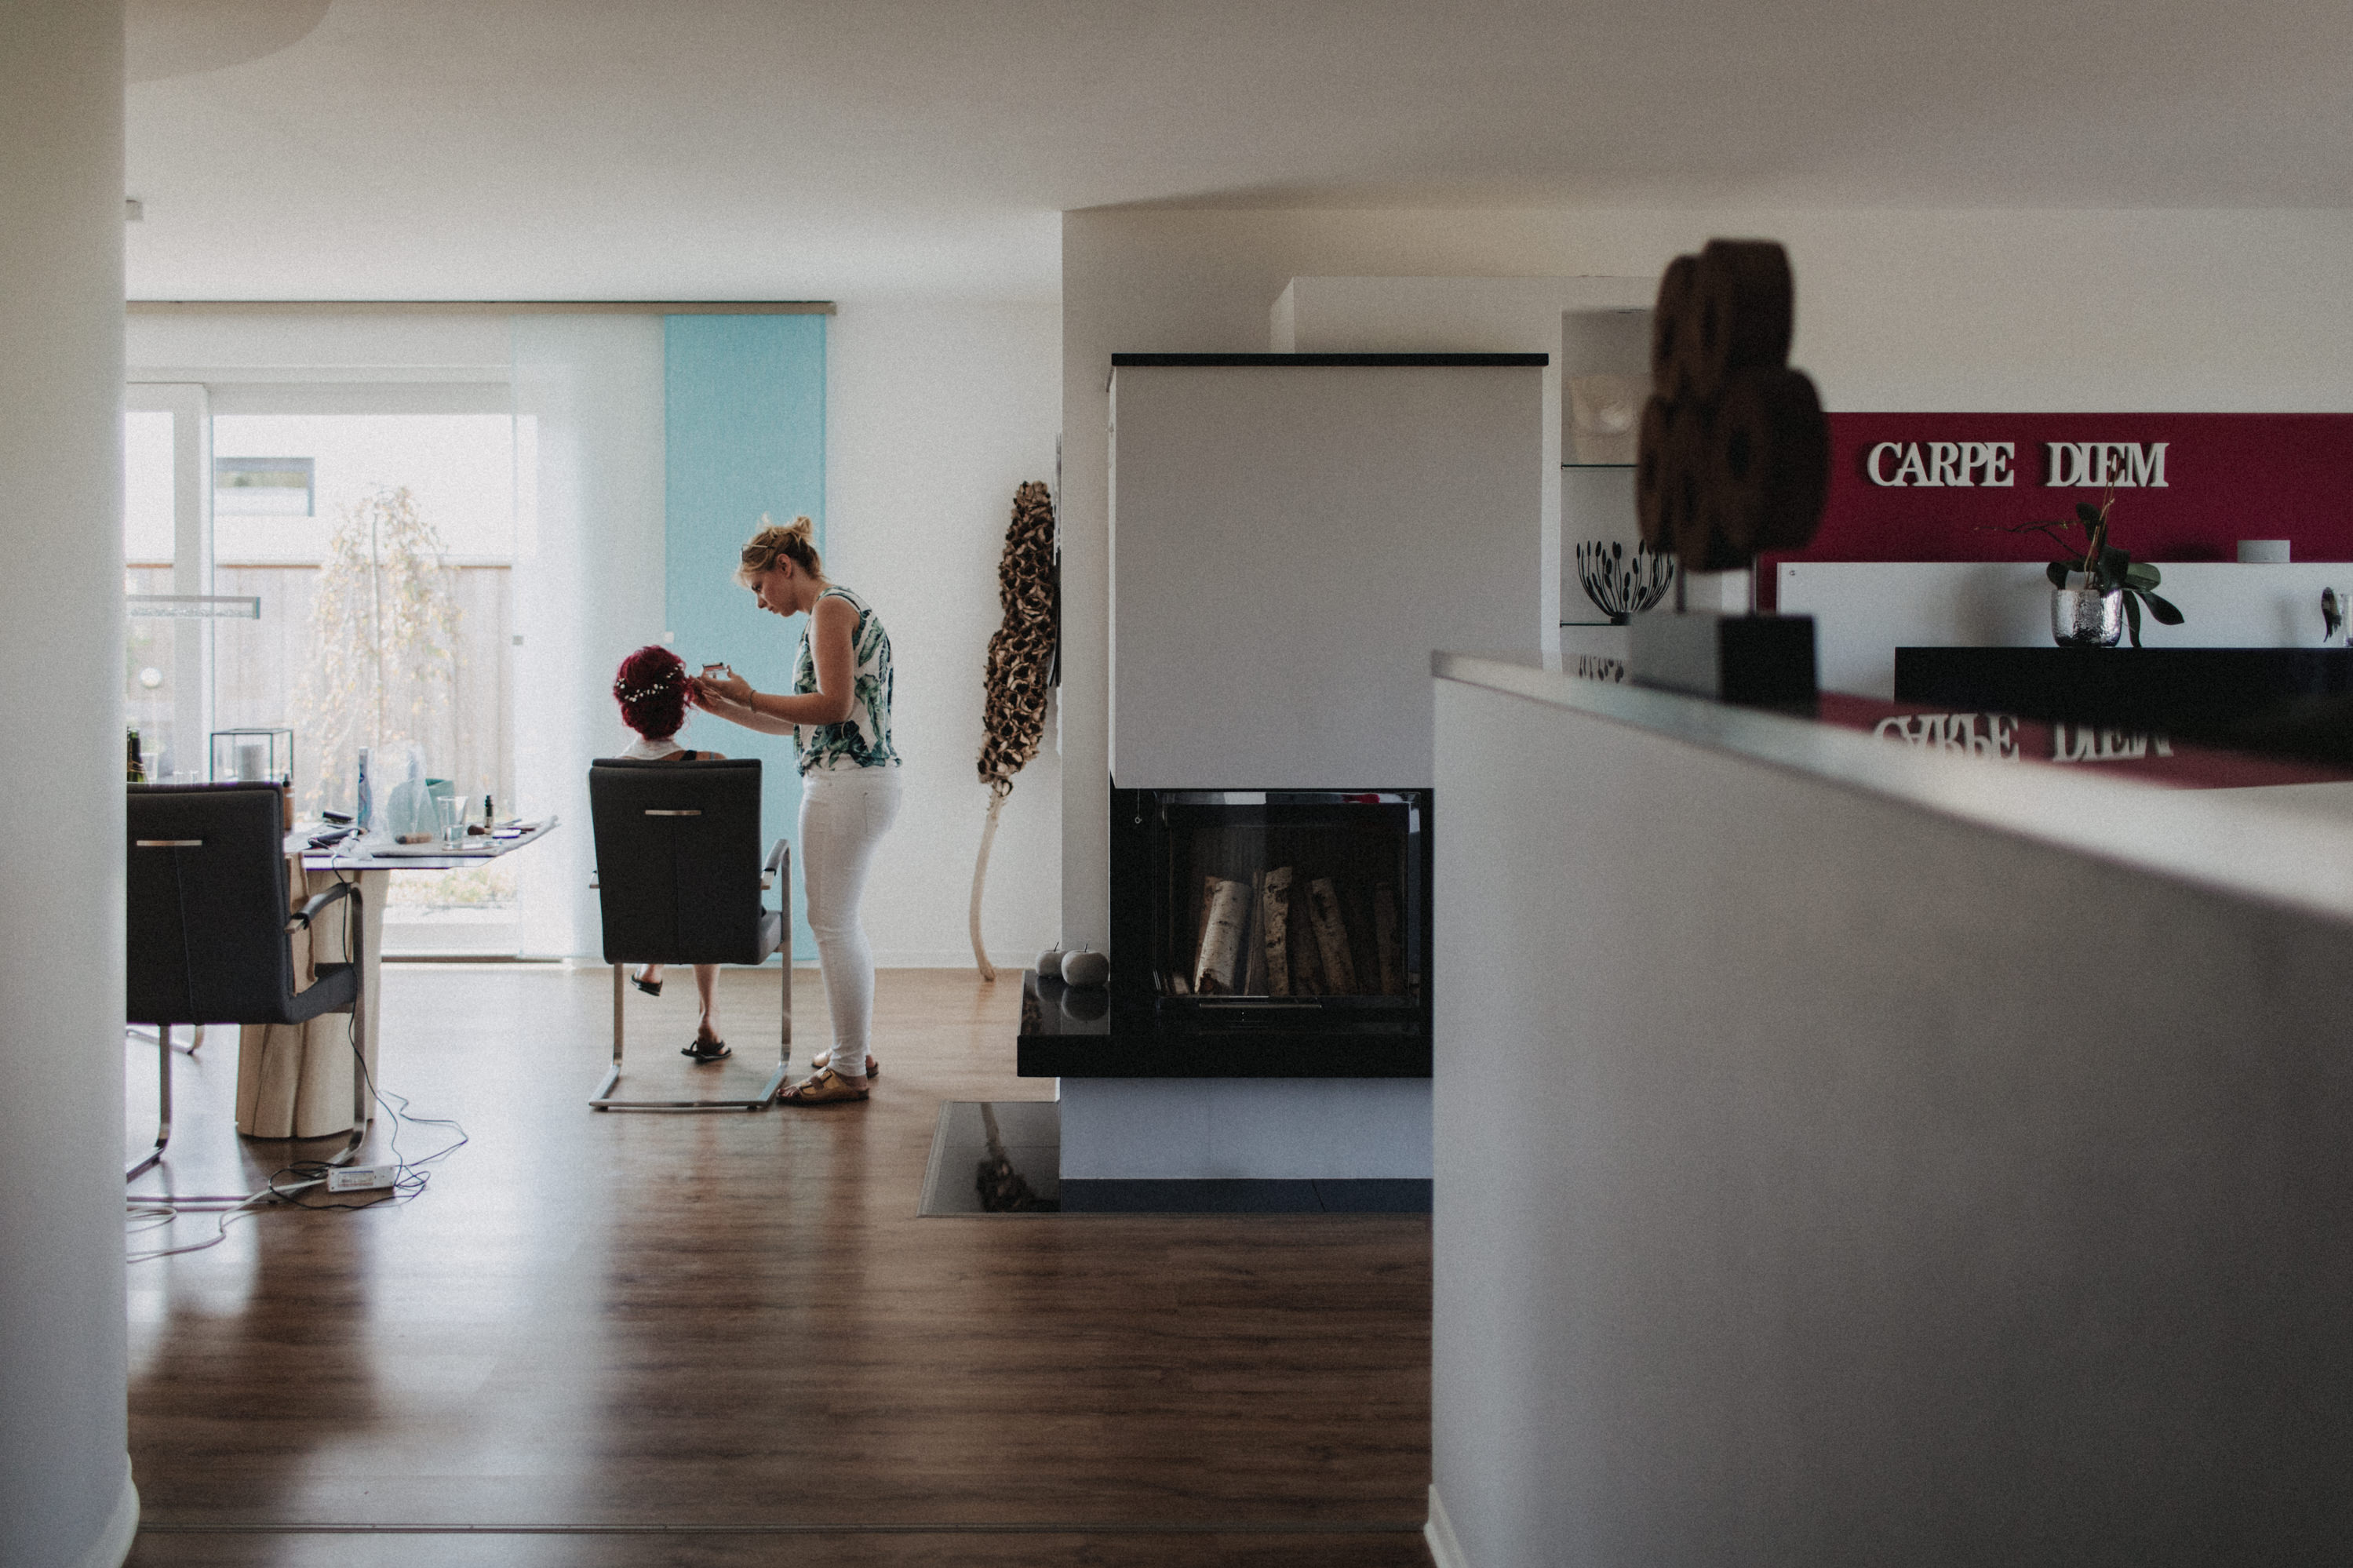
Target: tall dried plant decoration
column 1020, row 670
column 384, row 633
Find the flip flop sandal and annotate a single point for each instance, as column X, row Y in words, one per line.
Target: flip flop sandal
column 650, row 987
column 707, row 1050
column 824, row 1087
column 824, row 1059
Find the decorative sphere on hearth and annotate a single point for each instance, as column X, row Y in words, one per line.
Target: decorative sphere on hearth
column 1085, row 969
column 1050, row 963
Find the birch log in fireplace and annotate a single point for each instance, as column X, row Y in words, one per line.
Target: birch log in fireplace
column 1290, row 537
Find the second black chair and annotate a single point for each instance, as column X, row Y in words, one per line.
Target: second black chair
column 679, row 878
column 208, row 921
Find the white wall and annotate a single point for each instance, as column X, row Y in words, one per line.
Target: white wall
column 933, row 415
column 66, row 1492
column 313, row 344
column 1252, row 1129
column 1896, row 310
column 1798, row 1202
column 1496, row 315
column 1275, row 601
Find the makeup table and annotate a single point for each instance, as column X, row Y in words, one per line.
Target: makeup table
column 293, row 1080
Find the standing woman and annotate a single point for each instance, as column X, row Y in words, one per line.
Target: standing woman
column 839, row 715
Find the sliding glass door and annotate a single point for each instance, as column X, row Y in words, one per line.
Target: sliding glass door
column 333, row 559
column 167, row 577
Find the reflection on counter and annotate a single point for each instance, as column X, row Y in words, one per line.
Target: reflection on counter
column 2148, row 754
column 1997, row 735
column 1592, row 652
column 2291, row 702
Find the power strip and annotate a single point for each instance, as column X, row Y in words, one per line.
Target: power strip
column 361, row 1178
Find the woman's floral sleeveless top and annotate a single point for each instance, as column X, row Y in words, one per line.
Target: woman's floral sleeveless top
column 862, row 740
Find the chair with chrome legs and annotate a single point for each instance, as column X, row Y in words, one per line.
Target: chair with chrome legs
column 147, row 1032
column 679, row 878
column 209, row 929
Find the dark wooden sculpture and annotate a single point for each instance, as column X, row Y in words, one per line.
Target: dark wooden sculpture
column 1735, row 453
column 1020, row 672
column 1020, row 675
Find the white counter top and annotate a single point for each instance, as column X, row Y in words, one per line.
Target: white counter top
column 2291, row 847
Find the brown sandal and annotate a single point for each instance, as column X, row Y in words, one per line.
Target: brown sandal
column 824, row 1059
column 823, row 1087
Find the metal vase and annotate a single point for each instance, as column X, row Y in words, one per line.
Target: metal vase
column 2084, row 617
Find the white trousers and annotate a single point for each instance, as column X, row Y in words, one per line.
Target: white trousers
column 844, row 812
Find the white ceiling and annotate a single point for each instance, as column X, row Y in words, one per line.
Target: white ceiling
column 846, row 149
column 174, row 38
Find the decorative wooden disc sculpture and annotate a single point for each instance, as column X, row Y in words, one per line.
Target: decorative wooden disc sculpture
column 1735, row 453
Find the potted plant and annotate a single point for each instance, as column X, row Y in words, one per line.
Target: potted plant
column 2114, row 587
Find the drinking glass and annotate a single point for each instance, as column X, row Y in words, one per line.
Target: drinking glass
column 451, row 811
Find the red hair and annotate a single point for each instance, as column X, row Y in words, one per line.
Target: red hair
column 651, row 691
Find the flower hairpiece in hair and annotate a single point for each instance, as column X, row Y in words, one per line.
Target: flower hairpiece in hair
column 639, row 693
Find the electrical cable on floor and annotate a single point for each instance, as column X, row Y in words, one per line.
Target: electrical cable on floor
column 409, row 1180
column 228, row 1217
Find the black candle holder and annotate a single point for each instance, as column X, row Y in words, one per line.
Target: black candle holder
column 1622, row 586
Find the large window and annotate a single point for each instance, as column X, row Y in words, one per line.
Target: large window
column 378, row 542
column 153, row 653
column 385, row 605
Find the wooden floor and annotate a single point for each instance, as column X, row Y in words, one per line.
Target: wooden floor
column 727, row 1338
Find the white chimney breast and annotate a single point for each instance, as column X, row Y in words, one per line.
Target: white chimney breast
column 1290, row 542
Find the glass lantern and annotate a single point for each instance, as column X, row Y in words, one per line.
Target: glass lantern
column 254, row 756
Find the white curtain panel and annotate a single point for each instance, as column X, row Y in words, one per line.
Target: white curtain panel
column 588, row 586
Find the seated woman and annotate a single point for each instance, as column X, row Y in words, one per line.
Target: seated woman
column 652, row 690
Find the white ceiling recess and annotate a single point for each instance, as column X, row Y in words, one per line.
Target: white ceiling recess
column 855, row 149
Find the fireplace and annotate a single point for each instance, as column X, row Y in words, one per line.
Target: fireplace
column 1255, row 934
column 1306, row 899
column 1280, row 933
column 1289, row 536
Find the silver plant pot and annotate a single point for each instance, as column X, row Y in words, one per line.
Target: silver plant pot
column 2081, row 617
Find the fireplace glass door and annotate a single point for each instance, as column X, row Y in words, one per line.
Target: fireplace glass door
column 1289, row 900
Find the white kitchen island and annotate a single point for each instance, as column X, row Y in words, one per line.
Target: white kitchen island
column 1851, row 1152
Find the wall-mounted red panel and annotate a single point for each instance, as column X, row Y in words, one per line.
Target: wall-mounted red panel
column 2227, row 477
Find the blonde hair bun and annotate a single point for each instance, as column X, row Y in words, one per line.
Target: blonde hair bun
column 795, row 542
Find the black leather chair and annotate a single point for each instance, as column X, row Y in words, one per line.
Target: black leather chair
column 208, row 928
column 679, row 878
